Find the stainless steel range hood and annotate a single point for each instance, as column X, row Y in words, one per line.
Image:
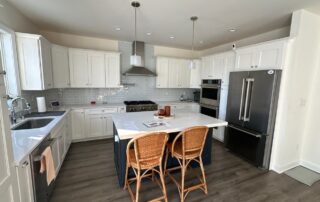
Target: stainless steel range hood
column 139, row 70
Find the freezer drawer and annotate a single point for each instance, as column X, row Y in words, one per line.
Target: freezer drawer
column 249, row 146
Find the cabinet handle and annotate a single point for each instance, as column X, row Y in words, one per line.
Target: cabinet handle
column 25, row 164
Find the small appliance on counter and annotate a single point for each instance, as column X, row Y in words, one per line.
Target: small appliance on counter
column 41, row 104
column 55, row 105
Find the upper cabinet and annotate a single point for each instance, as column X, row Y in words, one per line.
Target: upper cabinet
column 173, row 73
column 94, row 69
column 34, row 55
column 269, row 55
column 60, row 66
column 218, row 66
column 195, row 75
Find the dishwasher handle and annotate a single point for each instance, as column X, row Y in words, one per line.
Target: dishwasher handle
column 39, row 157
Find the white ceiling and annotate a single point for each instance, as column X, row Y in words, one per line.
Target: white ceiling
column 164, row 18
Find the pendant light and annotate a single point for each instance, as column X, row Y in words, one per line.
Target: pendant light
column 135, row 60
column 192, row 63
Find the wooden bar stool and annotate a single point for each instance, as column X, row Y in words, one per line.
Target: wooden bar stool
column 144, row 156
column 188, row 147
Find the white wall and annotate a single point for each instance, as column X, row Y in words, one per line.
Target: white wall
column 77, row 41
column 267, row 36
column 175, row 52
column 293, row 118
column 13, row 19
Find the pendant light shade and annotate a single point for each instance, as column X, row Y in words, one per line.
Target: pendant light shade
column 192, row 64
column 135, row 60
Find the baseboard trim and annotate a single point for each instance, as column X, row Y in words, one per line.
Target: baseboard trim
column 311, row 166
column 283, row 168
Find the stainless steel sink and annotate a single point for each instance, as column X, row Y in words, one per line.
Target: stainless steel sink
column 33, row 123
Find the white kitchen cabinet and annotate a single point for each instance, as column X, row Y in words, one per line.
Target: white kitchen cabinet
column 219, row 66
column 269, row 55
column 207, row 66
column 68, row 132
column 99, row 123
column 78, row 124
column 113, row 73
column 96, row 69
column 230, row 58
column 79, row 71
column 195, row 75
column 35, row 62
column 25, row 181
column 60, row 66
column 187, row 107
column 184, row 73
column 55, row 153
column 162, row 72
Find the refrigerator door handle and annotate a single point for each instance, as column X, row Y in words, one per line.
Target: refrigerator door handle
column 247, row 132
column 246, row 116
column 241, row 101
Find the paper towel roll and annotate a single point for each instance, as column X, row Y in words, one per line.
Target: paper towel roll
column 41, row 103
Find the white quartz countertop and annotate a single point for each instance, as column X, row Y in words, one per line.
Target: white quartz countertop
column 129, row 125
column 25, row 141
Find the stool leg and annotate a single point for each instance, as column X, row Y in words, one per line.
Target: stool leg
column 165, row 162
column 138, row 185
column 126, row 177
column 203, row 176
column 183, row 170
column 164, row 190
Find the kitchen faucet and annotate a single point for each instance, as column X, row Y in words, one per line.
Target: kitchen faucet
column 15, row 115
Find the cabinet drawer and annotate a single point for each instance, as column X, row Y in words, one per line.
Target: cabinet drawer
column 102, row 110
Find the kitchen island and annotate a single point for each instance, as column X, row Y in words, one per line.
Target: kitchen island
column 129, row 125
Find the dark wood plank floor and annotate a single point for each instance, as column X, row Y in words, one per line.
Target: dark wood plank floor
column 88, row 174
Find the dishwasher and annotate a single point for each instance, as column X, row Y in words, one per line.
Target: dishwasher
column 42, row 191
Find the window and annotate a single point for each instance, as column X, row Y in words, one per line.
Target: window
column 9, row 61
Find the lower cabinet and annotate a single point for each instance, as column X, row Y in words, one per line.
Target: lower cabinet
column 218, row 133
column 93, row 123
column 187, row 107
column 25, row 181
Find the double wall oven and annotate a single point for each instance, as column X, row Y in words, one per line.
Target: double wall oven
column 210, row 97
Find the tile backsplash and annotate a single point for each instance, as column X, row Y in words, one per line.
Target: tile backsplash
column 144, row 88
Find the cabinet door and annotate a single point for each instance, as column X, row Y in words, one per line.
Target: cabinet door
column 219, row 66
column 60, row 67
column 162, row 72
column 184, row 74
column 113, row 74
column 25, row 181
column 55, row 153
column 96, row 125
column 109, row 126
column 195, row 75
column 68, row 131
column 207, row 67
column 245, row 58
column 78, row 127
column 29, row 63
column 173, row 73
column 79, row 71
column 269, row 56
column 46, row 61
column 96, row 69
column 230, row 65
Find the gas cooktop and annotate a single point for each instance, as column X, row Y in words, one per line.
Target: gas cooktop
column 142, row 105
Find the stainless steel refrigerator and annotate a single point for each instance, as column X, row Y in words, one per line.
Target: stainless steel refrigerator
column 251, row 113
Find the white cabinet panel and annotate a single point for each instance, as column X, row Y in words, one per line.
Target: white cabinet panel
column 219, row 66
column 60, row 67
column 162, row 72
column 113, row 73
column 34, row 56
column 109, row 126
column 25, row 181
column 55, row 153
column 78, row 124
column 207, row 67
column 95, row 125
column 173, row 73
column 245, row 58
column 184, row 74
column 96, row 69
column 79, row 72
column 195, row 75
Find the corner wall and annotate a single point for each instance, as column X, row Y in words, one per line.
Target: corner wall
column 293, row 116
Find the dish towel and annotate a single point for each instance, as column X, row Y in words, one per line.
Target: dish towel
column 47, row 164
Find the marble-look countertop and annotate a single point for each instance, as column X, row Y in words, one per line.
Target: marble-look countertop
column 130, row 125
column 25, row 141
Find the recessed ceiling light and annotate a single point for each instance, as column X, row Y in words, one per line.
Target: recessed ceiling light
column 171, row 37
column 148, row 33
column 232, row 30
column 118, row 29
column 201, row 42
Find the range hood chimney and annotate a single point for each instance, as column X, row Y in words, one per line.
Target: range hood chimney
column 139, row 70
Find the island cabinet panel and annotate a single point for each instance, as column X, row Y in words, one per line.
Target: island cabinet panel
column 120, row 157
